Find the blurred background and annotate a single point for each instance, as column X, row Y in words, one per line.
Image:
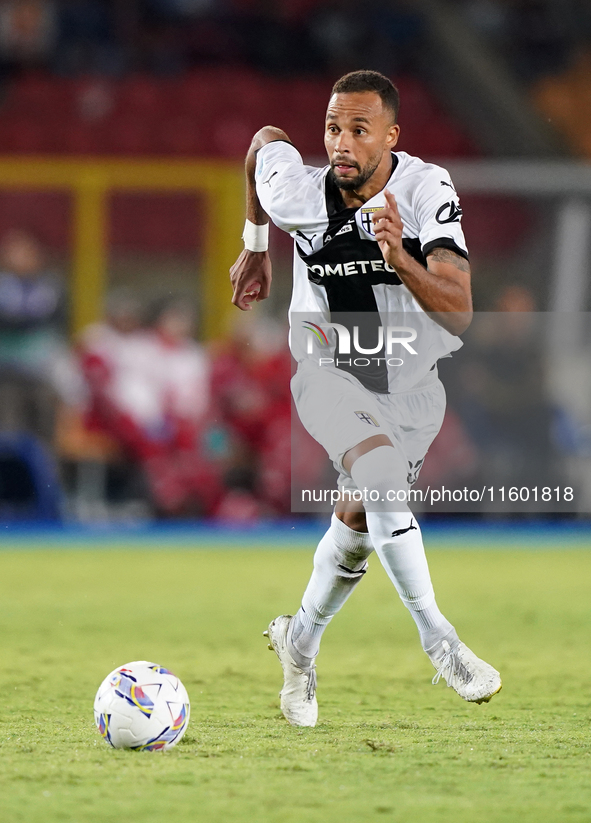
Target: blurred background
column 130, row 389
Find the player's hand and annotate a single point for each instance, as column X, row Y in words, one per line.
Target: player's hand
column 251, row 278
column 388, row 230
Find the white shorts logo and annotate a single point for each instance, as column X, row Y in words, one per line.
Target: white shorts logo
column 367, row 418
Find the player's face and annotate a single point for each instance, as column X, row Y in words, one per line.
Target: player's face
column 359, row 137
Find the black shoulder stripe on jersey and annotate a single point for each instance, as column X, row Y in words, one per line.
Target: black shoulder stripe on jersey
column 334, row 198
column 336, row 210
column 444, row 243
column 348, row 266
column 370, row 370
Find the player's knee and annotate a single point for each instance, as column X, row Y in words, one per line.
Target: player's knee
column 354, row 520
column 381, row 476
column 363, row 448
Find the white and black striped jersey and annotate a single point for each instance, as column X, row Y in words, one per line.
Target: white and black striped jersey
column 338, row 265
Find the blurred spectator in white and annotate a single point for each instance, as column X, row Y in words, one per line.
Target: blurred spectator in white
column 116, row 360
column 28, row 30
column 36, row 366
column 183, row 361
column 150, row 391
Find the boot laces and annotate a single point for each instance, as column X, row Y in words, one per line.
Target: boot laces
column 311, row 687
column 451, row 666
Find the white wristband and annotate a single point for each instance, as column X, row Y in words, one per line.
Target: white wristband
column 256, row 238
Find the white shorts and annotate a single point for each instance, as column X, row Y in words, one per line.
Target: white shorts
column 339, row 413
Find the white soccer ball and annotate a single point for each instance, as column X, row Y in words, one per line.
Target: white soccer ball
column 142, row 706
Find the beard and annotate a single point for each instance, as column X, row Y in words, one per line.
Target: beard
column 363, row 175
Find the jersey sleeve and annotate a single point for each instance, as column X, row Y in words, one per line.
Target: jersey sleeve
column 288, row 191
column 439, row 214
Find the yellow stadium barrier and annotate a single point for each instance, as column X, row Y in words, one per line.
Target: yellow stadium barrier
column 91, row 181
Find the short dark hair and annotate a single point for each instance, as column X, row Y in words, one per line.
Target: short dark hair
column 365, row 80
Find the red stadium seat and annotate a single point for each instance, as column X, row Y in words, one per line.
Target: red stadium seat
column 139, row 94
column 131, row 134
column 183, row 134
column 199, row 93
column 205, row 112
column 231, row 136
column 34, row 95
column 84, row 138
column 27, row 135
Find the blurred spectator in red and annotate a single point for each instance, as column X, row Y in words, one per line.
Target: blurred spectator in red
column 250, row 380
column 271, row 452
column 212, row 440
column 36, row 366
column 150, row 391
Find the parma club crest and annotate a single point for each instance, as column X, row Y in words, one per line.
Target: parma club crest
column 367, row 418
column 366, row 219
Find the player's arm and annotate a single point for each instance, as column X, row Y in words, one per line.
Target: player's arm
column 443, row 288
column 251, row 273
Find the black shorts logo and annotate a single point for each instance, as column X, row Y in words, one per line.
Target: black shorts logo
column 413, row 471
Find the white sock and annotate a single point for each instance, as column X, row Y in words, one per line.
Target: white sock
column 340, row 562
column 397, row 539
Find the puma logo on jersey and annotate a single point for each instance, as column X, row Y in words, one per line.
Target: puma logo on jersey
column 307, row 239
column 399, row 532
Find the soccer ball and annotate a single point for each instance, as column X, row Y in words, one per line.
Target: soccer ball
column 142, row 706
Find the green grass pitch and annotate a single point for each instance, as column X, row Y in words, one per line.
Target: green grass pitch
column 389, row 746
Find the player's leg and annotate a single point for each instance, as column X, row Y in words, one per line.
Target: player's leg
column 396, row 535
column 397, row 539
column 340, row 561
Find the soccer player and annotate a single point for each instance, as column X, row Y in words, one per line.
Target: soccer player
column 376, row 232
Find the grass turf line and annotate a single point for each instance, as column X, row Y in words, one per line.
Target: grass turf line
column 388, row 746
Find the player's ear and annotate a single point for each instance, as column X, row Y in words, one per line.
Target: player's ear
column 393, row 135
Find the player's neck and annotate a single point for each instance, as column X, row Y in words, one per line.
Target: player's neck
column 376, row 183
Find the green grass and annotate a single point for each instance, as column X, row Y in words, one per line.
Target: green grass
column 389, row 746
